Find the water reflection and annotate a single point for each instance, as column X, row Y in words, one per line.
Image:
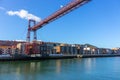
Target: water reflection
column 34, row 67
column 89, row 64
column 30, row 70
column 58, row 66
column 63, row 69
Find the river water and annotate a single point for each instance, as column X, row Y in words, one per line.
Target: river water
column 62, row 69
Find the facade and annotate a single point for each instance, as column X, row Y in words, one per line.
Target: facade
column 90, row 49
column 66, row 49
column 115, row 50
column 5, row 49
column 47, row 48
column 9, row 47
column 43, row 48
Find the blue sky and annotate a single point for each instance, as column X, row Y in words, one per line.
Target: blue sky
column 97, row 22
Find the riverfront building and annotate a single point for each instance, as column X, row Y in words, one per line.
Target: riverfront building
column 39, row 47
column 9, row 47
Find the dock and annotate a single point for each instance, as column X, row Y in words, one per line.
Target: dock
column 57, row 57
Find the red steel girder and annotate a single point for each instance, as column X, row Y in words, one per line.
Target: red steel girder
column 64, row 10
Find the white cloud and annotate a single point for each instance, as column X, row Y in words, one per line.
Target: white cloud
column 2, row 8
column 24, row 15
